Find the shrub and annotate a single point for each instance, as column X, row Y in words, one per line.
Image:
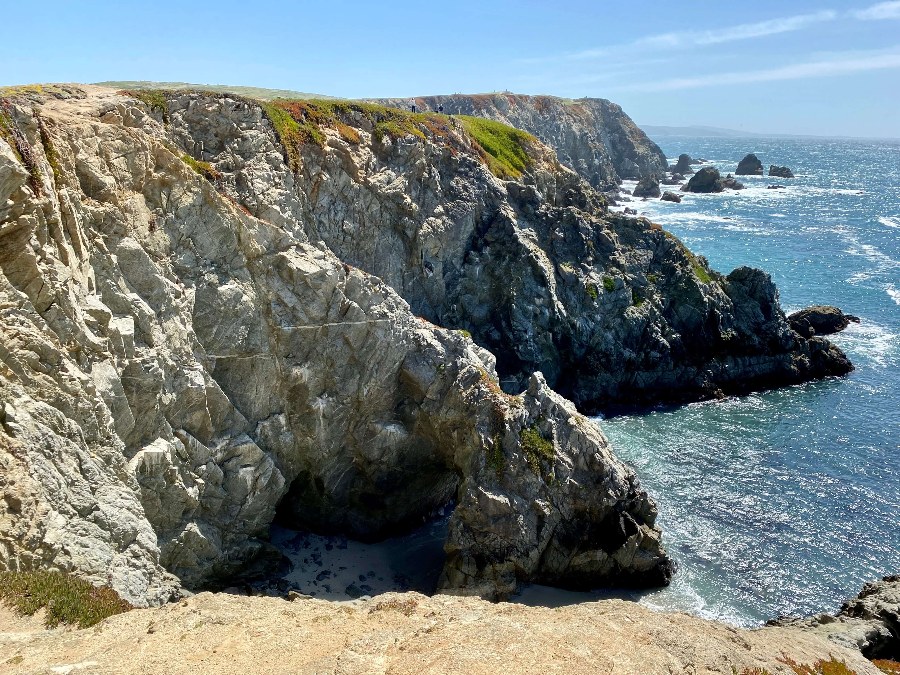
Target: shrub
column 609, row 284
column 495, row 458
column 592, row 291
column 205, row 169
column 536, row 447
column 155, row 99
column 505, row 148
column 887, row 666
column 65, row 598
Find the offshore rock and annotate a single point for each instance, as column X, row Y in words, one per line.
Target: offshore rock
column 181, row 361
column 647, row 187
column 780, row 171
column 671, row 197
column 707, row 179
column 731, row 183
column 820, row 320
column 683, row 165
column 592, row 136
column 749, row 166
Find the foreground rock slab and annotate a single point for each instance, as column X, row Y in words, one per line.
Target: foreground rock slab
column 407, row 634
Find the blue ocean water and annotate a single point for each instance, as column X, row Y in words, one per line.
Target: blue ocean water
column 786, row 502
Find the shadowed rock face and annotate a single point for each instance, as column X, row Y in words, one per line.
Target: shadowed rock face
column 780, row 171
column 647, row 187
column 178, row 364
column 820, row 320
column 592, row 136
column 749, row 166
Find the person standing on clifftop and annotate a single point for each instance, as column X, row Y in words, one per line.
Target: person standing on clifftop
column 440, row 107
column 412, row 105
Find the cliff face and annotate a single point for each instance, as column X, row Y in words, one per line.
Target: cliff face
column 593, row 136
column 180, row 359
column 216, row 310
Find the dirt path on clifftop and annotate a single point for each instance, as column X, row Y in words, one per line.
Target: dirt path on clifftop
column 404, row 634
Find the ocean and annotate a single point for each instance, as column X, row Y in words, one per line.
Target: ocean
column 785, row 502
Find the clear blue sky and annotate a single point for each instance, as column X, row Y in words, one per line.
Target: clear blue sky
column 767, row 66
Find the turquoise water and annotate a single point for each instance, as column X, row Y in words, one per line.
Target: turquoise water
column 786, row 502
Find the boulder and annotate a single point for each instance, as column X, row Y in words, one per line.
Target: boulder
column 706, row 179
column 647, row 187
column 731, row 183
column 671, row 197
column 683, row 165
column 780, row 171
column 774, row 187
column 820, row 320
column 750, row 166
column 675, row 179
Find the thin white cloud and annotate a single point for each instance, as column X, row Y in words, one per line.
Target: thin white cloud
column 879, row 12
column 744, row 31
column 880, row 60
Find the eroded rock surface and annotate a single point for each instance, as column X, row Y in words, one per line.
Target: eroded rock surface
column 180, row 359
column 821, row 320
column 749, row 166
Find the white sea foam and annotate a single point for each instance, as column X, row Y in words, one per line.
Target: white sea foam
column 890, row 221
column 893, row 293
column 873, row 341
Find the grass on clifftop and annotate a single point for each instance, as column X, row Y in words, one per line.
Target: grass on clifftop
column 65, row 598
column 299, row 122
column 505, row 148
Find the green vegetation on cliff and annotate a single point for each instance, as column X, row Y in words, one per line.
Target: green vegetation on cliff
column 65, row 599
column 537, row 448
column 505, row 148
column 205, row 169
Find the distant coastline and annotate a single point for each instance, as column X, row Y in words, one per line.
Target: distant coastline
column 654, row 130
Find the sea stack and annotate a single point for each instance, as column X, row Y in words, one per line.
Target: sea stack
column 750, row 166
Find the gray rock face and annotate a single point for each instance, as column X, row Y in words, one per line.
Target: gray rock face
column 592, row 136
column 780, row 171
column 820, row 320
column 671, row 197
column 647, row 187
column 749, row 166
column 178, row 363
column 869, row 622
column 683, row 165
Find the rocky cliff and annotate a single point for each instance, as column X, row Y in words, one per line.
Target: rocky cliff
column 218, row 311
column 593, row 136
column 183, row 356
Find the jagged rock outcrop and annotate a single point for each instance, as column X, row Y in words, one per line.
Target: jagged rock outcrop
column 611, row 310
column 671, row 197
column 731, row 183
column 780, row 171
column 683, row 165
column 647, row 187
column 592, row 136
column 820, row 320
column 749, row 166
column 708, row 179
column 869, row 622
column 181, row 359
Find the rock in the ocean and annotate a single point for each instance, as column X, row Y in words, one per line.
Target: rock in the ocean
column 780, row 171
column 683, row 165
column 647, row 187
column 774, row 187
column 706, row 179
column 671, row 197
column 820, row 320
column 731, row 183
column 750, row 166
